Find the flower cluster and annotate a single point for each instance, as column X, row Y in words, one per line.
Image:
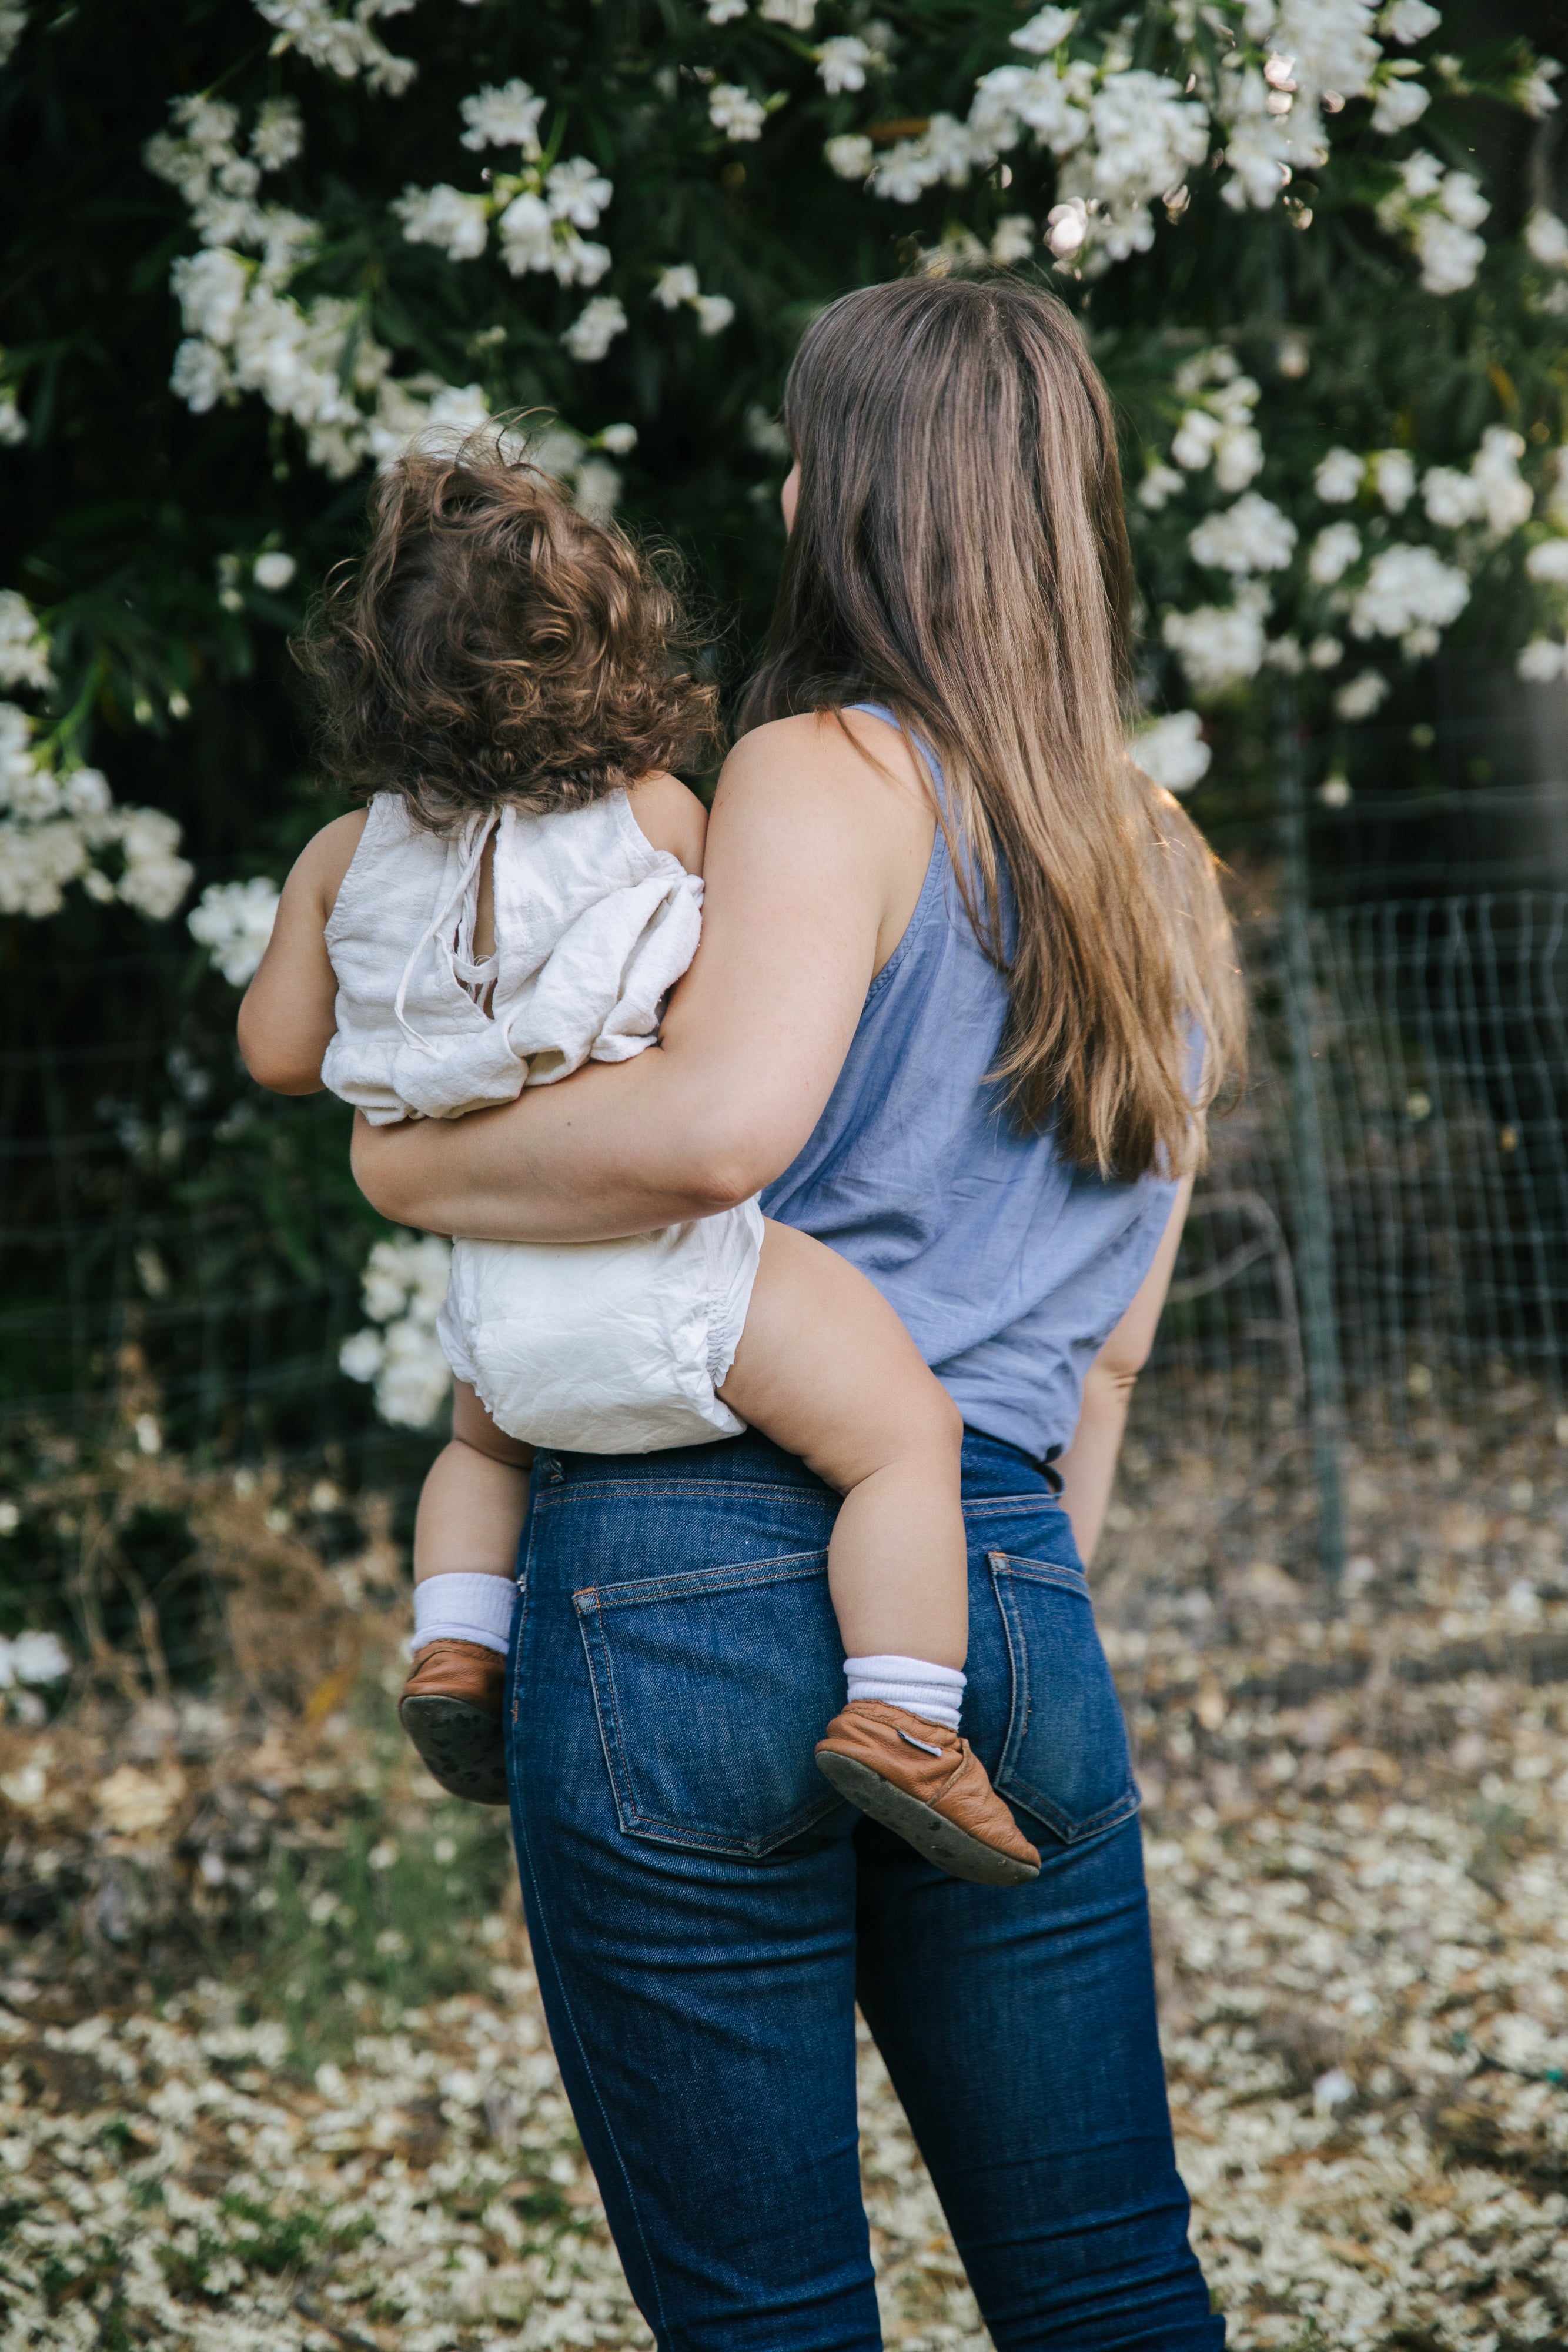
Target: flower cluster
column 312, row 360
column 339, row 40
column 234, row 921
column 59, row 822
column 403, row 1290
column 1439, row 211
column 1125, row 138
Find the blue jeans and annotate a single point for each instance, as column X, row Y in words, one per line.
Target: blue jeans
column 706, row 1913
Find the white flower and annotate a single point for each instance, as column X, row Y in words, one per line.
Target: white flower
column 12, row 424
column 766, row 434
column 1146, row 135
column 1408, row 21
column 1238, row 457
column 595, row 327
column 1067, row 227
column 359, row 1357
column 578, row 263
column 1541, row 661
column 32, row 1658
column 1337, row 478
column 507, row 116
column 1394, row 478
column 274, row 570
column 796, row 14
column 1501, row 491
column 577, row 191
column 1399, row 104
column 1449, row 497
column 1534, row 91
column 596, row 489
column 1548, row 561
column 527, row 235
column 850, row 156
column 713, row 312
column 842, row 63
column 24, row 648
column 342, row 44
column 234, row 921
column 734, row 112
column 279, row 135
column 1405, row 588
column 1012, row 239
column 1219, row 644
column 1547, row 238
column 1361, row 697
column 619, row 439
column 1450, row 256
column 1251, row 536
column 211, row 288
column 1461, row 199
column 1045, row 32
column 1325, row 653
column 444, row 216
column 1333, row 552
column 200, row 375
column 722, row 12
column 1159, row 486
column 1195, row 437
column 1171, row 751
column 1284, row 654
column 86, row 794
column 676, row 285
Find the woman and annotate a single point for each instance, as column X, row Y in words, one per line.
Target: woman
column 960, row 964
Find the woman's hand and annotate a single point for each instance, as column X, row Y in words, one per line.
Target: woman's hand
column 817, row 848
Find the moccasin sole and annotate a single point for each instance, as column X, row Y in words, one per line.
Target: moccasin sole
column 459, row 1745
column 927, row 1831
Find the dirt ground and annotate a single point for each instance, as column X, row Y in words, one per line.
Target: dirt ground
column 273, row 2071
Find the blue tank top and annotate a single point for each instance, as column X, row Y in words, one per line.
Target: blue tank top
column 1009, row 1267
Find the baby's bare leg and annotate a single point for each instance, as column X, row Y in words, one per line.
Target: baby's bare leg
column 826, row 1370
column 474, row 1499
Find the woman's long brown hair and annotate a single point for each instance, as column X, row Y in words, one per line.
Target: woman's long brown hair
column 959, row 554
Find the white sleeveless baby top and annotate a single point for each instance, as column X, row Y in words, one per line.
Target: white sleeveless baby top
column 593, row 926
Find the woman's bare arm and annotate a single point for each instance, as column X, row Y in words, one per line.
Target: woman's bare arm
column 1089, row 1465
column 814, row 860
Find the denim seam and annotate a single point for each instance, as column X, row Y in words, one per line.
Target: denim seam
column 678, row 1489
column 785, row 1568
column 1046, row 1571
column 525, row 1856
column 1036, row 1498
column 1003, row 1565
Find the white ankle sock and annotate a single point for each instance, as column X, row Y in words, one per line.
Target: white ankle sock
column 934, row 1692
column 462, row 1607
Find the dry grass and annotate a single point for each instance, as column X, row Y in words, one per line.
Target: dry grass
column 273, row 2071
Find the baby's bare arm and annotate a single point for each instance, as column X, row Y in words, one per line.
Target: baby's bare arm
column 286, row 1020
column 826, row 1370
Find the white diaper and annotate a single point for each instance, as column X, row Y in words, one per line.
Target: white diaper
column 605, row 1347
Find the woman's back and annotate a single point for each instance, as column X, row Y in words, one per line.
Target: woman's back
column 1008, row 1266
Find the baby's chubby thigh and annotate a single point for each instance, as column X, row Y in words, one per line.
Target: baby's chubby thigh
column 599, row 1347
column 825, row 1369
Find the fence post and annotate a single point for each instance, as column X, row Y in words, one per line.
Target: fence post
column 1314, row 1213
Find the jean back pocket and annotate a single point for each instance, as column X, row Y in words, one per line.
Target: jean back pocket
column 712, row 1689
column 1065, row 1757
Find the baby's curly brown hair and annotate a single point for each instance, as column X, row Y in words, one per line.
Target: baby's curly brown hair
column 494, row 645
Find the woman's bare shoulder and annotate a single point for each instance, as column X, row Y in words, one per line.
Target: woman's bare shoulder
column 670, row 815
column 833, row 745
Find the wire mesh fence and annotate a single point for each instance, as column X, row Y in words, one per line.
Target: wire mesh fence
column 1364, row 1333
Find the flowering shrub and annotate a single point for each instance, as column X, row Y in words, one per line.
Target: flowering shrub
column 1316, row 249
column 404, row 1290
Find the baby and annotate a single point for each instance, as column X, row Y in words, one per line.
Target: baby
column 501, row 675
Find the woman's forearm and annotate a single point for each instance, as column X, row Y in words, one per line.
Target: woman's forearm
column 1089, row 1465
column 621, row 1148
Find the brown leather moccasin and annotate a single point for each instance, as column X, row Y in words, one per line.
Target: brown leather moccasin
column 450, row 1709
column 926, row 1783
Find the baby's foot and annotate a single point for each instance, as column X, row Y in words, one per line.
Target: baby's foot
column 928, row 1783
column 450, row 1709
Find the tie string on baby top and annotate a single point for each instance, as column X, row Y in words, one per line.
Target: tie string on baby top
column 450, row 904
